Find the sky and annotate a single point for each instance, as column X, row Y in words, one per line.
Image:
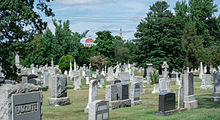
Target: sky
column 99, row 15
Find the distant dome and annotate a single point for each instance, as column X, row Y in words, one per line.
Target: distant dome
column 89, row 40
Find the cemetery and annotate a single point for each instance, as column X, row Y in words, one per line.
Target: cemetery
column 168, row 70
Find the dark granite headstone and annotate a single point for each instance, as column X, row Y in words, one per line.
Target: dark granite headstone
column 166, row 103
column 99, row 110
column 208, row 70
column 123, row 91
column 191, row 90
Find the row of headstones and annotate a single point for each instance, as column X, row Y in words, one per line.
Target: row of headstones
column 186, row 98
column 16, row 97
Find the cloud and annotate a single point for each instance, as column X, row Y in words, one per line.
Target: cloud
column 73, row 2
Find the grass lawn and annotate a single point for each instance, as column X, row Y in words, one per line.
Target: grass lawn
column 207, row 109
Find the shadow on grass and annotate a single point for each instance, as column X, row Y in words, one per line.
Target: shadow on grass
column 204, row 101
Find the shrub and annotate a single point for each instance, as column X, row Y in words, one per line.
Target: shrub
column 154, row 77
column 64, row 62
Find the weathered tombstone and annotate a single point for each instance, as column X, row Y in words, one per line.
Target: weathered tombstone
column 77, row 82
column 24, row 77
column 99, row 110
column 135, row 92
column 93, row 89
column 165, row 66
column 33, row 79
column 149, row 70
column 124, row 76
column 12, row 82
column 206, row 82
column 189, row 98
column 20, row 102
column 111, row 93
column 101, row 80
column 140, row 80
column 87, row 74
column 163, row 85
column 201, row 71
column 59, row 91
column 110, row 77
column 174, row 76
column 123, row 91
column 181, row 95
column 46, row 78
column 166, row 103
column 216, row 93
column 156, row 89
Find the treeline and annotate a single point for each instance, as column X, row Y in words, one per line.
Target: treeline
column 185, row 37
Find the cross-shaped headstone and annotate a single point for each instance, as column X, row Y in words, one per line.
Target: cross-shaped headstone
column 165, row 65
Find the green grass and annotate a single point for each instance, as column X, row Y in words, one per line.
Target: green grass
column 207, row 109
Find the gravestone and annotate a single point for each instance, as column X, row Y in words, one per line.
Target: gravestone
column 111, row 93
column 123, row 91
column 117, row 81
column 165, row 66
column 77, row 82
column 12, row 82
column 201, row 71
column 93, row 89
column 140, row 80
column 156, row 89
column 46, row 78
column 124, row 76
column 189, row 98
column 87, row 75
column 101, row 80
column 135, row 92
column 206, row 82
column 216, row 93
column 149, row 70
column 163, row 85
column 110, row 77
column 24, row 77
column 33, row 79
column 166, row 103
column 173, row 76
column 181, row 95
column 99, row 110
column 20, row 102
column 59, row 91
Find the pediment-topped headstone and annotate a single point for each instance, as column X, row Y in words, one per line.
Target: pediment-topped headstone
column 124, row 76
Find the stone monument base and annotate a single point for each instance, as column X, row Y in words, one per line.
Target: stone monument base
column 161, row 113
column 119, row 104
column 86, row 110
column 216, row 97
column 137, row 102
column 206, row 87
column 190, row 102
column 59, row 101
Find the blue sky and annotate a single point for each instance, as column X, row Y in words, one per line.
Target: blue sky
column 99, row 15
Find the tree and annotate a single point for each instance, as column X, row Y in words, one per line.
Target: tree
column 19, row 21
column 192, row 46
column 156, row 38
column 105, row 46
column 18, row 15
column 64, row 62
column 99, row 62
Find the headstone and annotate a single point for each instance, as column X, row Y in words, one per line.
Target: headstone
column 135, row 92
column 12, row 82
column 93, row 89
column 124, row 76
column 24, row 77
column 33, row 79
column 181, row 95
column 174, row 76
column 77, row 82
column 46, row 78
column 87, row 75
column 99, row 110
column 189, row 98
column 201, row 71
column 110, row 77
column 111, row 93
column 123, row 91
column 71, row 69
column 156, row 89
column 117, row 81
column 59, row 91
column 140, row 80
column 101, row 80
column 149, row 70
column 206, row 82
column 165, row 66
column 14, row 98
column 166, row 103
column 216, row 93
column 163, row 85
